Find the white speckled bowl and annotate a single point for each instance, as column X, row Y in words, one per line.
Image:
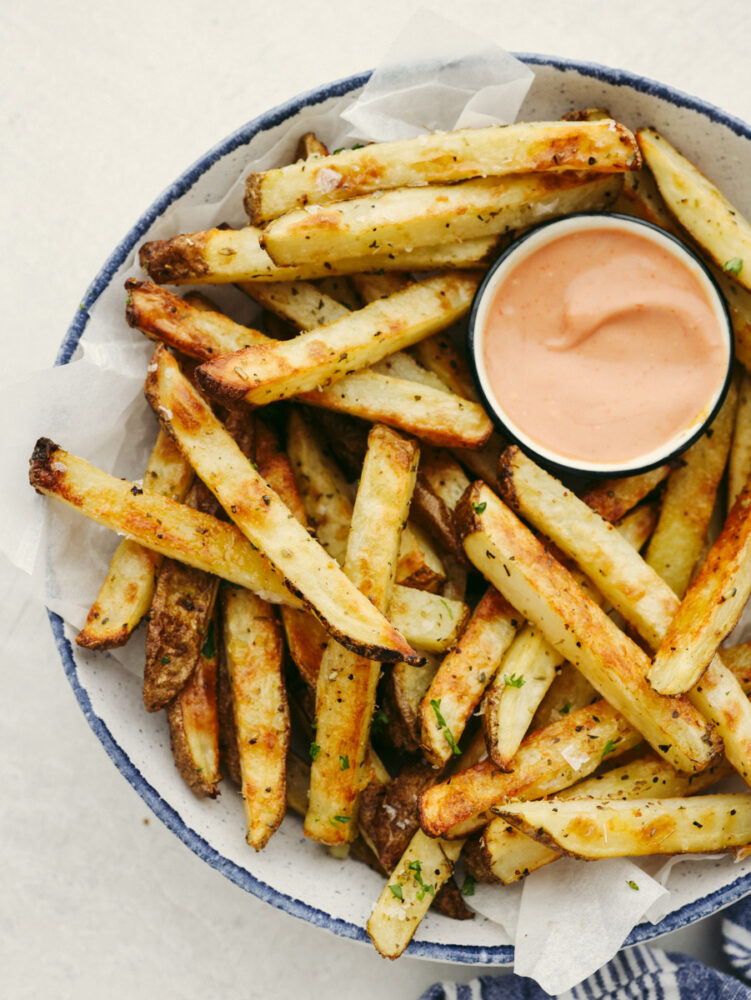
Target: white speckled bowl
column 291, row 873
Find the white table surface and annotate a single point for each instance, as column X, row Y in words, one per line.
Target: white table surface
column 102, row 106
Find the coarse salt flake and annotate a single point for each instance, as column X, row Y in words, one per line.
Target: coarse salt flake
column 575, row 758
column 328, row 180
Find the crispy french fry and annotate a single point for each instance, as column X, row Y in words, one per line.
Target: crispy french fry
column 689, row 500
column 388, row 812
column 464, row 674
column 739, row 465
column 400, row 909
column 444, row 475
column 442, row 157
column 614, row 498
column 222, row 256
column 569, row 692
column 547, row 761
column 342, row 289
column 434, row 623
column 156, row 522
column 298, row 302
column 419, row 564
column 711, row 607
column 257, row 510
column 253, row 649
column 510, row 855
column 439, row 355
column 715, row 224
column 194, row 723
column 127, row 590
column 406, row 686
column 379, row 286
column 606, row 828
column 545, row 593
column 260, row 375
column 405, row 218
column 346, row 686
column 521, row 682
column 403, row 366
column 633, row 587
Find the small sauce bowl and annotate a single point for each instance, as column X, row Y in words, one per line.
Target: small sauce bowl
column 600, row 344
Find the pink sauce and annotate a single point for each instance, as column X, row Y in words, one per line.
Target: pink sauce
column 602, row 346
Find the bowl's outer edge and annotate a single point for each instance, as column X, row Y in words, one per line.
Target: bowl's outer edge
column 465, row 954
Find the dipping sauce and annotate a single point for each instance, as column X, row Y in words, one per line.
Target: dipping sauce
column 603, row 345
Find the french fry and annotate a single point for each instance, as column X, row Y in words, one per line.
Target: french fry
column 689, row 500
column 346, row 686
column 127, row 590
column 444, row 476
column 342, row 289
column 569, row 692
column 715, row 224
column 194, row 723
column 440, row 158
column 614, row 498
column 545, row 593
column 739, row 464
column 711, row 607
column 482, row 463
column 399, row 910
column 181, row 613
column 260, row 375
column 297, row 302
column 439, row 355
column 607, row 828
column 224, row 256
column 402, row 219
column 464, row 674
column 608, row 559
column 526, row 672
column 406, row 686
column 547, row 761
column 253, row 649
column 510, row 855
column 388, row 812
column 434, row 623
column 379, row 286
column 156, row 522
column 419, row 564
column 309, row 572
column 403, row 366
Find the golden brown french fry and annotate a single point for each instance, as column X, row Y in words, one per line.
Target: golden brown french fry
column 711, row 607
column 569, row 692
column 423, row 868
column 547, row 761
column 254, row 655
column 379, row 286
column 342, row 289
column 156, row 522
column 510, row 855
column 716, row 225
column 222, row 256
column 739, row 465
column 127, row 590
column 298, row 302
column 545, row 593
column 440, row 158
column 419, row 564
column 608, row 559
column 406, row 686
column 689, row 500
column 194, row 723
column 464, row 674
column 607, row 828
column 260, row 375
column 346, row 686
column 309, row 572
column 439, row 355
column 405, row 218
column 434, row 623
column 614, row 498
column 521, row 682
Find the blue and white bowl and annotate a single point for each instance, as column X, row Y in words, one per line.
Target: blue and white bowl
column 292, row 873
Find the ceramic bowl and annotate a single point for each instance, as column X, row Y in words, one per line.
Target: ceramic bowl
column 293, row 874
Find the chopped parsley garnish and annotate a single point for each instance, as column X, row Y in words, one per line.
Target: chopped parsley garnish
column 435, row 704
column 314, row 751
column 165, row 660
column 733, row 266
column 379, row 723
column 344, row 761
column 513, row 681
column 209, row 646
column 609, row 748
column 396, row 890
column 448, row 609
column 416, row 868
column 566, row 708
column 632, row 885
column 478, row 508
column 342, row 819
column 468, row 886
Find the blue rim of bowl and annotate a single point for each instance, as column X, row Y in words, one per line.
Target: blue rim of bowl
column 562, row 468
column 465, row 954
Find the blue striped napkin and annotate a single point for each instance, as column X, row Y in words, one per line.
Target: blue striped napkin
column 634, row 974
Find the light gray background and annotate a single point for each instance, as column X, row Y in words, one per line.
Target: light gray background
column 102, row 106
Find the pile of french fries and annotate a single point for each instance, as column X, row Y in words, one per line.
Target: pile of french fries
column 360, row 603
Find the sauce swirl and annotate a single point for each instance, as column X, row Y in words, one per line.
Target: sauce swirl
column 602, row 345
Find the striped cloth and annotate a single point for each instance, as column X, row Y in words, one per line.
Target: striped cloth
column 635, row 974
